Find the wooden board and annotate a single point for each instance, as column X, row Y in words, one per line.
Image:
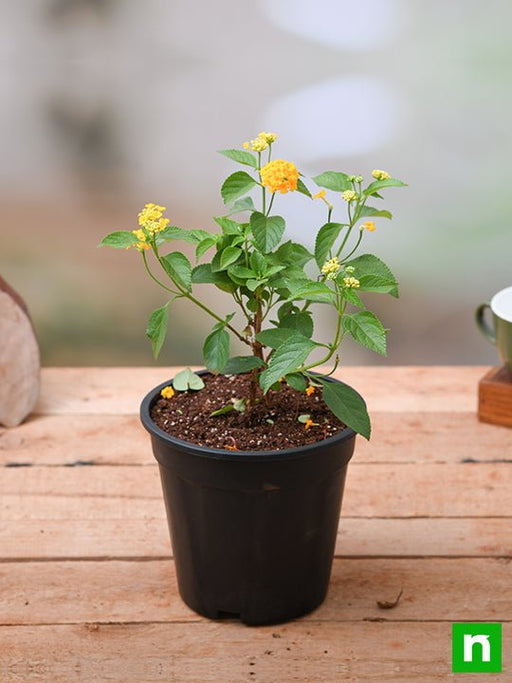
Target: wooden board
column 87, row 582
column 495, row 397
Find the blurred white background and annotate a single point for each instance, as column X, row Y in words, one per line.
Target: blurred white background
column 108, row 104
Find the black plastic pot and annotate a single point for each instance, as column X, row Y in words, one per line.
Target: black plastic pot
column 253, row 532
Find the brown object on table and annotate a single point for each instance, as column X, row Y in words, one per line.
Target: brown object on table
column 495, row 397
column 19, row 358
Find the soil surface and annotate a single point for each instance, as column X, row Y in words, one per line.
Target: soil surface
column 272, row 424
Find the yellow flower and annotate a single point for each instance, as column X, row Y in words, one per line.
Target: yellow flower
column 319, row 195
column 331, row 268
column 380, row 175
column 150, row 218
column 280, row 175
column 310, row 390
column 257, row 145
column 369, row 225
column 349, row 195
column 309, row 423
column 268, row 137
column 142, row 243
column 350, row 269
column 167, row 392
column 351, row 282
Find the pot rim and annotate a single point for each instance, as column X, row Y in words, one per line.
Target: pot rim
column 225, row 454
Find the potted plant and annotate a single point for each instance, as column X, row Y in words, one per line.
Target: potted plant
column 253, row 451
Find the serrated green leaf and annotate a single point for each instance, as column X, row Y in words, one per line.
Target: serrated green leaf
column 267, row 231
column 347, row 405
column 310, row 290
column 301, row 322
column 258, row 263
column 353, row 298
column 241, row 157
column 293, row 253
column 333, row 180
column 245, row 204
column 187, row 379
column 326, row 237
column 228, row 256
column 203, row 274
column 122, row 239
column 204, row 245
column 274, row 337
column 173, row 232
column 296, row 381
column 379, row 184
column 241, row 272
column 156, row 329
column 179, row 269
column 236, row 185
column 370, row 211
column 301, row 187
column 367, row 330
column 373, row 275
column 228, row 226
column 216, row 350
column 241, row 364
column 287, row 358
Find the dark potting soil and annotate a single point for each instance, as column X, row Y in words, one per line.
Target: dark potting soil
column 271, row 424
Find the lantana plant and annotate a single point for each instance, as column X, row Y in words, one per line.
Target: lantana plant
column 274, row 284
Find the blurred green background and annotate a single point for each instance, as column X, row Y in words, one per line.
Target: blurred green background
column 108, row 104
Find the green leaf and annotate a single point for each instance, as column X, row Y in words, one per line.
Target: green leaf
column 240, row 364
column 179, row 269
column 367, row 330
column 122, row 239
column 333, row 180
column 326, row 237
column 375, row 213
column 173, row 232
column 241, row 157
column 347, row 405
column 352, row 297
column 157, row 328
column 228, row 256
column 267, row 231
column 258, row 263
column 287, row 358
column 216, row 350
column 303, row 189
column 228, row 408
column 379, row 184
column 301, row 322
column 310, row 290
column 373, row 275
column 274, row 337
column 228, row 226
column 203, row 274
column 236, row 185
column 204, row 245
column 186, row 379
column 242, row 272
column 293, row 253
column 296, row 381
column 245, row 204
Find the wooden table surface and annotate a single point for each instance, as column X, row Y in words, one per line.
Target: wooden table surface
column 87, row 583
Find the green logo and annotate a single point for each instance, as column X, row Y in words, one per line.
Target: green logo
column 476, row 648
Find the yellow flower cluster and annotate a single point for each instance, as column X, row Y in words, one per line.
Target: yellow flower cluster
column 141, row 244
column 310, row 390
column 380, row 175
column 280, row 175
column 167, row 392
column 150, row 218
column 349, row 195
column 261, row 142
column 368, row 225
column 331, row 268
column 351, row 282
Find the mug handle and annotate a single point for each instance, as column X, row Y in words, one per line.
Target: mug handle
column 482, row 324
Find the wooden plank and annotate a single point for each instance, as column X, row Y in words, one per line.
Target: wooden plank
column 372, row 490
column 114, row 591
column 121, row 440
column 118, row 391
column 227, row 652
column 495, row 397
column 148, row 538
